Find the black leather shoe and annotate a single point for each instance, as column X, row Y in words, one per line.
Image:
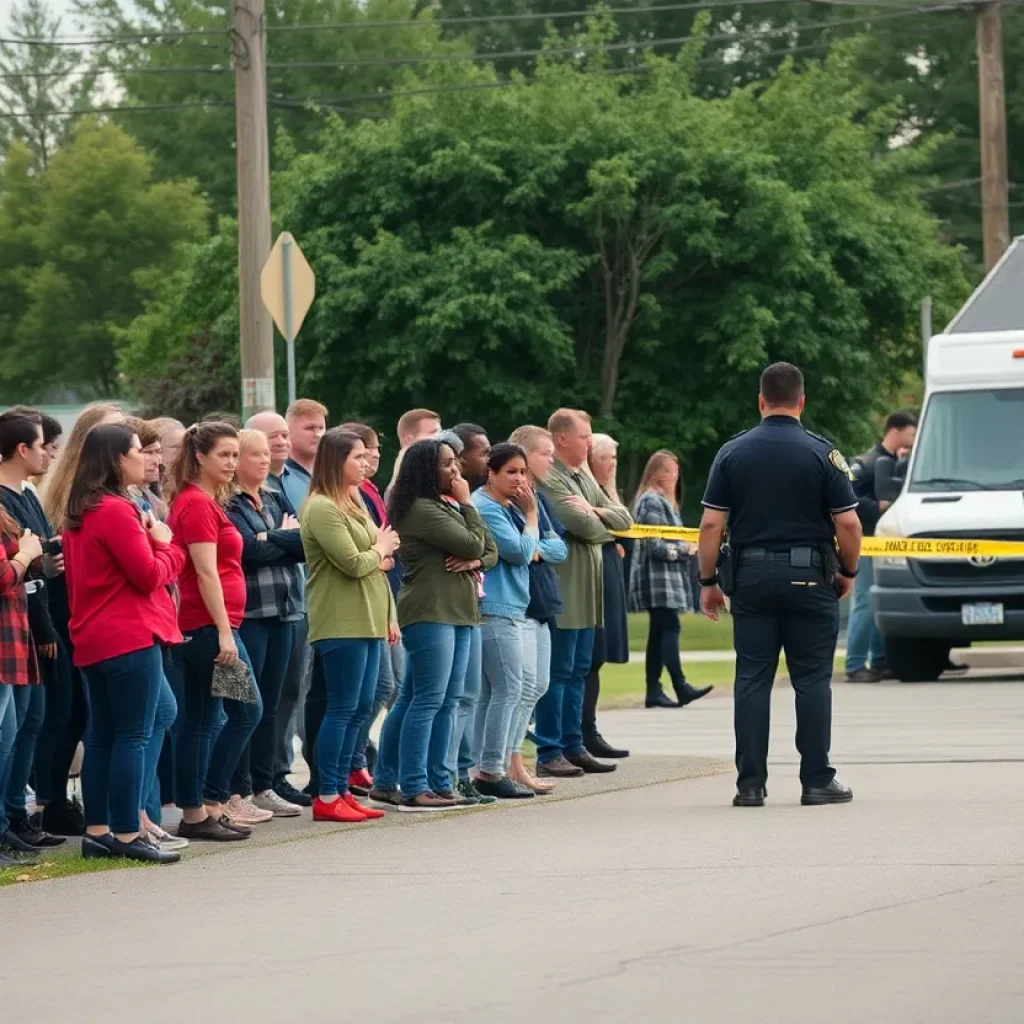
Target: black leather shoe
column 97, row 847
column 63, row 818
column 687, row 694
column 138, row 849
column 749, row 797
column 286, row 791
column 834, row 793
column 589, row 765
column 597, row 745
column 658, row 698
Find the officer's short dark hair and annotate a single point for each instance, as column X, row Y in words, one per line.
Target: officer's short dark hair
column 900, row 421
column 782, row 386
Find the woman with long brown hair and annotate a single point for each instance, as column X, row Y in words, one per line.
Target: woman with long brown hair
column 351, row 613
column 659, row 582
column 65, row 718
column 213, row 598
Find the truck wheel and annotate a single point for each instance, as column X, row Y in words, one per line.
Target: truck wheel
column 916, row 661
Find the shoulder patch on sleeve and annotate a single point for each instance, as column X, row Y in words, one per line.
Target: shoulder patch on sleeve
column 837, row 460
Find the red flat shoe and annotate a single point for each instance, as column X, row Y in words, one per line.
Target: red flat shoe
column 361, row 779
column 366, row 812
column 340, row 810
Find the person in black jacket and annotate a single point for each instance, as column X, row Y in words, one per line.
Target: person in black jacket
column 271, row 553
column 874, row 488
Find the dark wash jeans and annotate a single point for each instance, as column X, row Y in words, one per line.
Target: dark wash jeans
column 213, row 732
column 62, row 721
column 778, row 607
column 269, row 643
column 350, row 668
column 123, row 694
column 558, row 719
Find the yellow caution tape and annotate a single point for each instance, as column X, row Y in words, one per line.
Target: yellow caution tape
column 872, row 547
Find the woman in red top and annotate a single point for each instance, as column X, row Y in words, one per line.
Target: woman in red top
column 213, row 732
column 17, row 655
column 117, row 569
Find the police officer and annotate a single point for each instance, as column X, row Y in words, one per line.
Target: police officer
column 794, row 547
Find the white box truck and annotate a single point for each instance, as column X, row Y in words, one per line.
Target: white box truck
column 965, row 480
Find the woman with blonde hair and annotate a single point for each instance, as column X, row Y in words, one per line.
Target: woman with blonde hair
column 65, row 718
column 659, row 583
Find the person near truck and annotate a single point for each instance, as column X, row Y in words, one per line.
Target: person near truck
column 876, row 487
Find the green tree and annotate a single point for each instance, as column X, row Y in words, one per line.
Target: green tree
column 39, row 78
column 616, row 242
column 95, row 235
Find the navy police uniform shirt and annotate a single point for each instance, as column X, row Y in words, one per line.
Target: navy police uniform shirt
column 780, row 485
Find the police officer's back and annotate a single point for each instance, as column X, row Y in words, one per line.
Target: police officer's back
column 787, row 497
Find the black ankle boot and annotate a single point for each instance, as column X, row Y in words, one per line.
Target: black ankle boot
column 658, row 698
column 687, row 694
column 598, row 746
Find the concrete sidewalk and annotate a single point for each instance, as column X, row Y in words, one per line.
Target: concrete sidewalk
column 653, row 904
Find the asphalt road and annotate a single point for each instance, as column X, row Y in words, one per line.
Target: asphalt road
column 659, row 904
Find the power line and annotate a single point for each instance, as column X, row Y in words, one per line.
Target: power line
column 128, row 37
column 726, row 37
column 141, row 108
column 214, row 70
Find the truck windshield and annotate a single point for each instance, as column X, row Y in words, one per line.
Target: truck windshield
column 971, row 441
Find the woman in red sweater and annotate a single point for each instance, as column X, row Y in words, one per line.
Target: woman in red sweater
column 213, row 732
column 118, row 567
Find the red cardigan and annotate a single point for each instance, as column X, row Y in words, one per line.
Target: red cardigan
column 117, row 584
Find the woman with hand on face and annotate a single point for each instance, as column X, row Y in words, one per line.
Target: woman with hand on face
column 271, row 555
column 444, row 544
column 659, row 583
column 351, row 613
column 508, row 507
column 213, row 597
column 119, row 566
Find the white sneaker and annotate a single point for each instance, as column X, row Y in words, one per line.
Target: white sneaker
column 165, row 841
column 241, row 811
column 268, row 800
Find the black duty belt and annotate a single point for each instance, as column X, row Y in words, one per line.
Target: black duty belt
column 777, row 554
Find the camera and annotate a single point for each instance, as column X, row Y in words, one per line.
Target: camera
column 52, row 547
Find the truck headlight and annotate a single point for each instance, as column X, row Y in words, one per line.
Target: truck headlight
column 892, row 562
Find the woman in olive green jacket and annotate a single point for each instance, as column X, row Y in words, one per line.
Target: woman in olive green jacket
column 445, row 547
column 351, row 612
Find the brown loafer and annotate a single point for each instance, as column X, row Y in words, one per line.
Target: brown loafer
column 558, row 768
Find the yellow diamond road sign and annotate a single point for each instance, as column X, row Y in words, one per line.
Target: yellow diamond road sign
column 287, row 285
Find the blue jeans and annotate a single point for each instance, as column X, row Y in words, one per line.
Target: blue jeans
column 864, row 640
column 559, row 716
column 8, row 734
column 460, row 755
column 501, row 693
column 269, row 643
column 29, row 709
column 536, row 679
column 350, row 669
column 382, row 694
column 418, row 730
column 212, row 732
column 166, row 714
column 122, row 694
column 165, row 767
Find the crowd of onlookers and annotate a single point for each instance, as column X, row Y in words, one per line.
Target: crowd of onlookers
column 184, row 601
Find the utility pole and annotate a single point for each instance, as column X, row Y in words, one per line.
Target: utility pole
column 995, row 210
column 256, row 328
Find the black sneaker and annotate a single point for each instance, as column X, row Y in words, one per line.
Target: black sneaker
column 64, row 818
column 35, row 837
column 470, row 792
column 17, row 852
column 863, row 675
column 504, row 789
column 286, row 791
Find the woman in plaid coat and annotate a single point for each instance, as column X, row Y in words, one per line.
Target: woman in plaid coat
column 17, row 654
column 659, row 583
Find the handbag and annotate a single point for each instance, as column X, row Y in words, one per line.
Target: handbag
column 234, row 682
column 545, row 593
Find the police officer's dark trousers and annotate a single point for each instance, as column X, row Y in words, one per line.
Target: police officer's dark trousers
column 775, row 607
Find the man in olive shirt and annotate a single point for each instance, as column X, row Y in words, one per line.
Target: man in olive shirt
column 586, row 514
